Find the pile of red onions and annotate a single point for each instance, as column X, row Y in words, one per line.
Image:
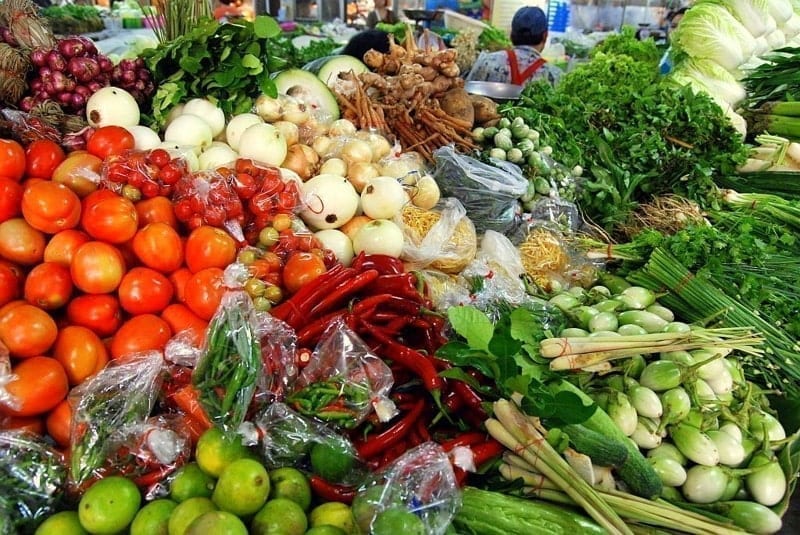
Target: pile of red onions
column 74, row 70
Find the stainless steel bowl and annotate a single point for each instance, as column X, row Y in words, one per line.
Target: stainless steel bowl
column 494, row 90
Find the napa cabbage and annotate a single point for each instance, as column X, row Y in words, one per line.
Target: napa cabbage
column 792, row 26
column 708, row 76
column 780, row 10
column 753, row 14
column 709, row 31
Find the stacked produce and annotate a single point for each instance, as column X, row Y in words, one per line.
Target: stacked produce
column 300, row 301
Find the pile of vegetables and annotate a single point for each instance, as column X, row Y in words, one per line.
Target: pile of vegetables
column 71, row 19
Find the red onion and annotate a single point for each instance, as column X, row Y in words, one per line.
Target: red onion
column 69, row 84
column 45, row 71
column 138, row 63
column 89, row 46
column 106, row 65
column 49, row 88
column 35, row 84
column 83, row 69
column 127, row 64
column 78, row 101
column 72, row 47
column 143, row 74
column 8, row 36
column 94, row 87
column 56, row 61
column 27, row 104
column 139, row 85
column 128, row 77
column 83, row 90
column 39, row 56
column 65, row 98
column 58, row 81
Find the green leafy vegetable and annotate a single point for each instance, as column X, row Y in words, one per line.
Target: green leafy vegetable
column 625, row 42
column 229, row 63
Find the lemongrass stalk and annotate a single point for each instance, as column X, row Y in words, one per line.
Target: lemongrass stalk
column 531, row 479
column 520, row 431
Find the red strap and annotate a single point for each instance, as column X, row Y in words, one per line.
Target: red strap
column 519, row 78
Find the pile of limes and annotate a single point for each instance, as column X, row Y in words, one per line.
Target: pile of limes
column 226, row 490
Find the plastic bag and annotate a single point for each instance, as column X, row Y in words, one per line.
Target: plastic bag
column 121, row 395
column 26, row 128
column 230, row 368
column 490, row 193
column 499, row 269
column 278, row 349
column 32, row 481
column 448, row 245
column 421, row 482
column 147, row 452
column 344, row 381
column 143, row 173
column 289, row 439
column 208, row 198
column 6, row 376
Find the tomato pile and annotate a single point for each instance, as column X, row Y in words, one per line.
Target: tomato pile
column 97, row 262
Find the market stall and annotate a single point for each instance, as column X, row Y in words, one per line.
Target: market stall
column 251, row 285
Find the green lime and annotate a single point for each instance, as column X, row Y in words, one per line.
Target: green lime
column 185, row 513
column 63, row 523
column 366, row 505
column 217, row 523
column 153, row 518
column 291, row 483
column 331, row 461
column 191, row 482
column 280, row 516
column 242, row 488
column 395, row 520
column 334, row 514
column 215, row 450
column 109, row 505
column 326, row 530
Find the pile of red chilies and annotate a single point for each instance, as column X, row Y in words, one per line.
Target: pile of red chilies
column 387, row 307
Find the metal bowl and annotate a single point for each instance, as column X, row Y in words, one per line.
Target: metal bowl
column 494, row 90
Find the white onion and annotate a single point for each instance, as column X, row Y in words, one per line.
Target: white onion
column 380, row 236
column 237, row 125
column 189, row 130
column 382, row 198
column 333, row 166
column 338, row 243
column 356, row 150
column 263, row 143
column 341, row 127
column 360, row 173
column 144, row 138
column 218, row 155
column 209, row 112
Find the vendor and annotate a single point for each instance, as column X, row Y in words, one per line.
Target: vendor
column 362, row 42
column 673, row 19
column 382, row 13
column 524, row 62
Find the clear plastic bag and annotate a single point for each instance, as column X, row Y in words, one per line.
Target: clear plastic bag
column 289, row 439
column 208, row 198
column 147, row 452
column 184, row 348
column 278, row 349
column 230, row 368
column 6, row 376
column 344, row 381
column 490, row 193
column 421, row 482
column 120, row 395
column 32, row 481
column 499, row 269
column 448, row 245
column 143, row 173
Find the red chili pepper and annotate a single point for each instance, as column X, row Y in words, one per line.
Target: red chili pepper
column 396, row 303
column 302, row 357
column 422, row 429
column 292, row 309
column 384, row 264
column 331, row 492
column 468, row 394
column 409, row 358
column 309, row 335
column 187, row 400
column 452, row 402
column 154, row 476
column 468, row 438
column 373, row 445
column 342, row 292
column 486, row 451
column 401, row 284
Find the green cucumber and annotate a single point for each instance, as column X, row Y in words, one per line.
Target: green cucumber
column 603, row 451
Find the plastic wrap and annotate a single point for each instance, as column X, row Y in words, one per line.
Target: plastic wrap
column 421, row 482
column 289, row 439
column 32, row 481
column 208, row 198
column 6, row 376
column 344, row 381
column 143, row 173
column 26, row 128
column 230, row 368
column 278, row 349
column 448, row 245
column 182, row 348
column 121, row 395
column 148, row 451
column 490, row 193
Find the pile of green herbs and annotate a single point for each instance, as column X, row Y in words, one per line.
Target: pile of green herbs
column 774, row 80
column 282, row 46
column 492, row 39
column 229, row 64
column 626, row 43
column 634, row 132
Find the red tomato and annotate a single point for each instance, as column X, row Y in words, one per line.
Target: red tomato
column 31, row 424
column 209, row 247
column 10, row 199
column 110, row 140
column 42, row 157
column 20, row 242
column 62, row 246
column 40, row 384
column 97, row 267
column 144, row 291
column 179, row 278
column 49, row 206
column 80, row 351
column 59, row 422
column 80, row 172
column 12, row 160
column 180, row 318
column 300, row 269
column 27, row 331
column 159, row 246
column 110, row 218
column 144, row 332
column 156, row 210
column 48, row 286
column 9, row 284
column 101, row 313
column 204, row 291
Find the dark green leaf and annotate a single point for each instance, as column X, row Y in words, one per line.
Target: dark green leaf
column 190, row 64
